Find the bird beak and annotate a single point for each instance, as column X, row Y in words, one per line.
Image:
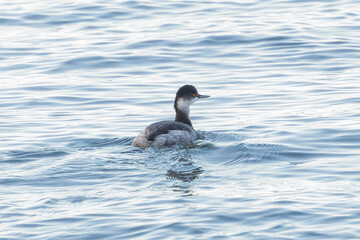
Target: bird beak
column 202, row 96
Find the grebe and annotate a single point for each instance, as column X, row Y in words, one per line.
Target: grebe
column 180, row 131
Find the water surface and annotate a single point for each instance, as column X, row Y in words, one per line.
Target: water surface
column 278, row 157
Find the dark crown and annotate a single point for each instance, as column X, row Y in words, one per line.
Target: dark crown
column 186, row 91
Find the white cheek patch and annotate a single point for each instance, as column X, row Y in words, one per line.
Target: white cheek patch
column 184, row 104
column 194, row 100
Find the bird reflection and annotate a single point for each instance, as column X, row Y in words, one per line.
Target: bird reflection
column 184, row 170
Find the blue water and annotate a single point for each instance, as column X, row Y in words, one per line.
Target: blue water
column 280, row 147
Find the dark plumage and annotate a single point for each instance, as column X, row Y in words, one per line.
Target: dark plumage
column 164, row 127
column 186, row 92
column 172, row 132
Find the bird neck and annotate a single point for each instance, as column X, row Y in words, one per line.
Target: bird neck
column 182, row 117
column 182, row 112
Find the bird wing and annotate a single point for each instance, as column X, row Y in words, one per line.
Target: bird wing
column 164, row 127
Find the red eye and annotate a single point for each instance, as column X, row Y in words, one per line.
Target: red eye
column 194, row 95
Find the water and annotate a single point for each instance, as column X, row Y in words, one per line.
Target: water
column 280, row 148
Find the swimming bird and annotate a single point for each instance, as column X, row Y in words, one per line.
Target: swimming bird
column 180, row 131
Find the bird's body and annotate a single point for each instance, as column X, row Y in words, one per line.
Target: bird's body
column 165, row 133
column 180, row 131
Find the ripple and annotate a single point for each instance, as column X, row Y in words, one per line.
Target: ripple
column 18, row 156
column 98, row 143
column 115, row 14
column 35, row 17
column 9, row 21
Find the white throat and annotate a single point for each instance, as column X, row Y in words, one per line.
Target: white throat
column 184, row 105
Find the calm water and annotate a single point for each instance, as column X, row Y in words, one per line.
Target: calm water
column 279, row 158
